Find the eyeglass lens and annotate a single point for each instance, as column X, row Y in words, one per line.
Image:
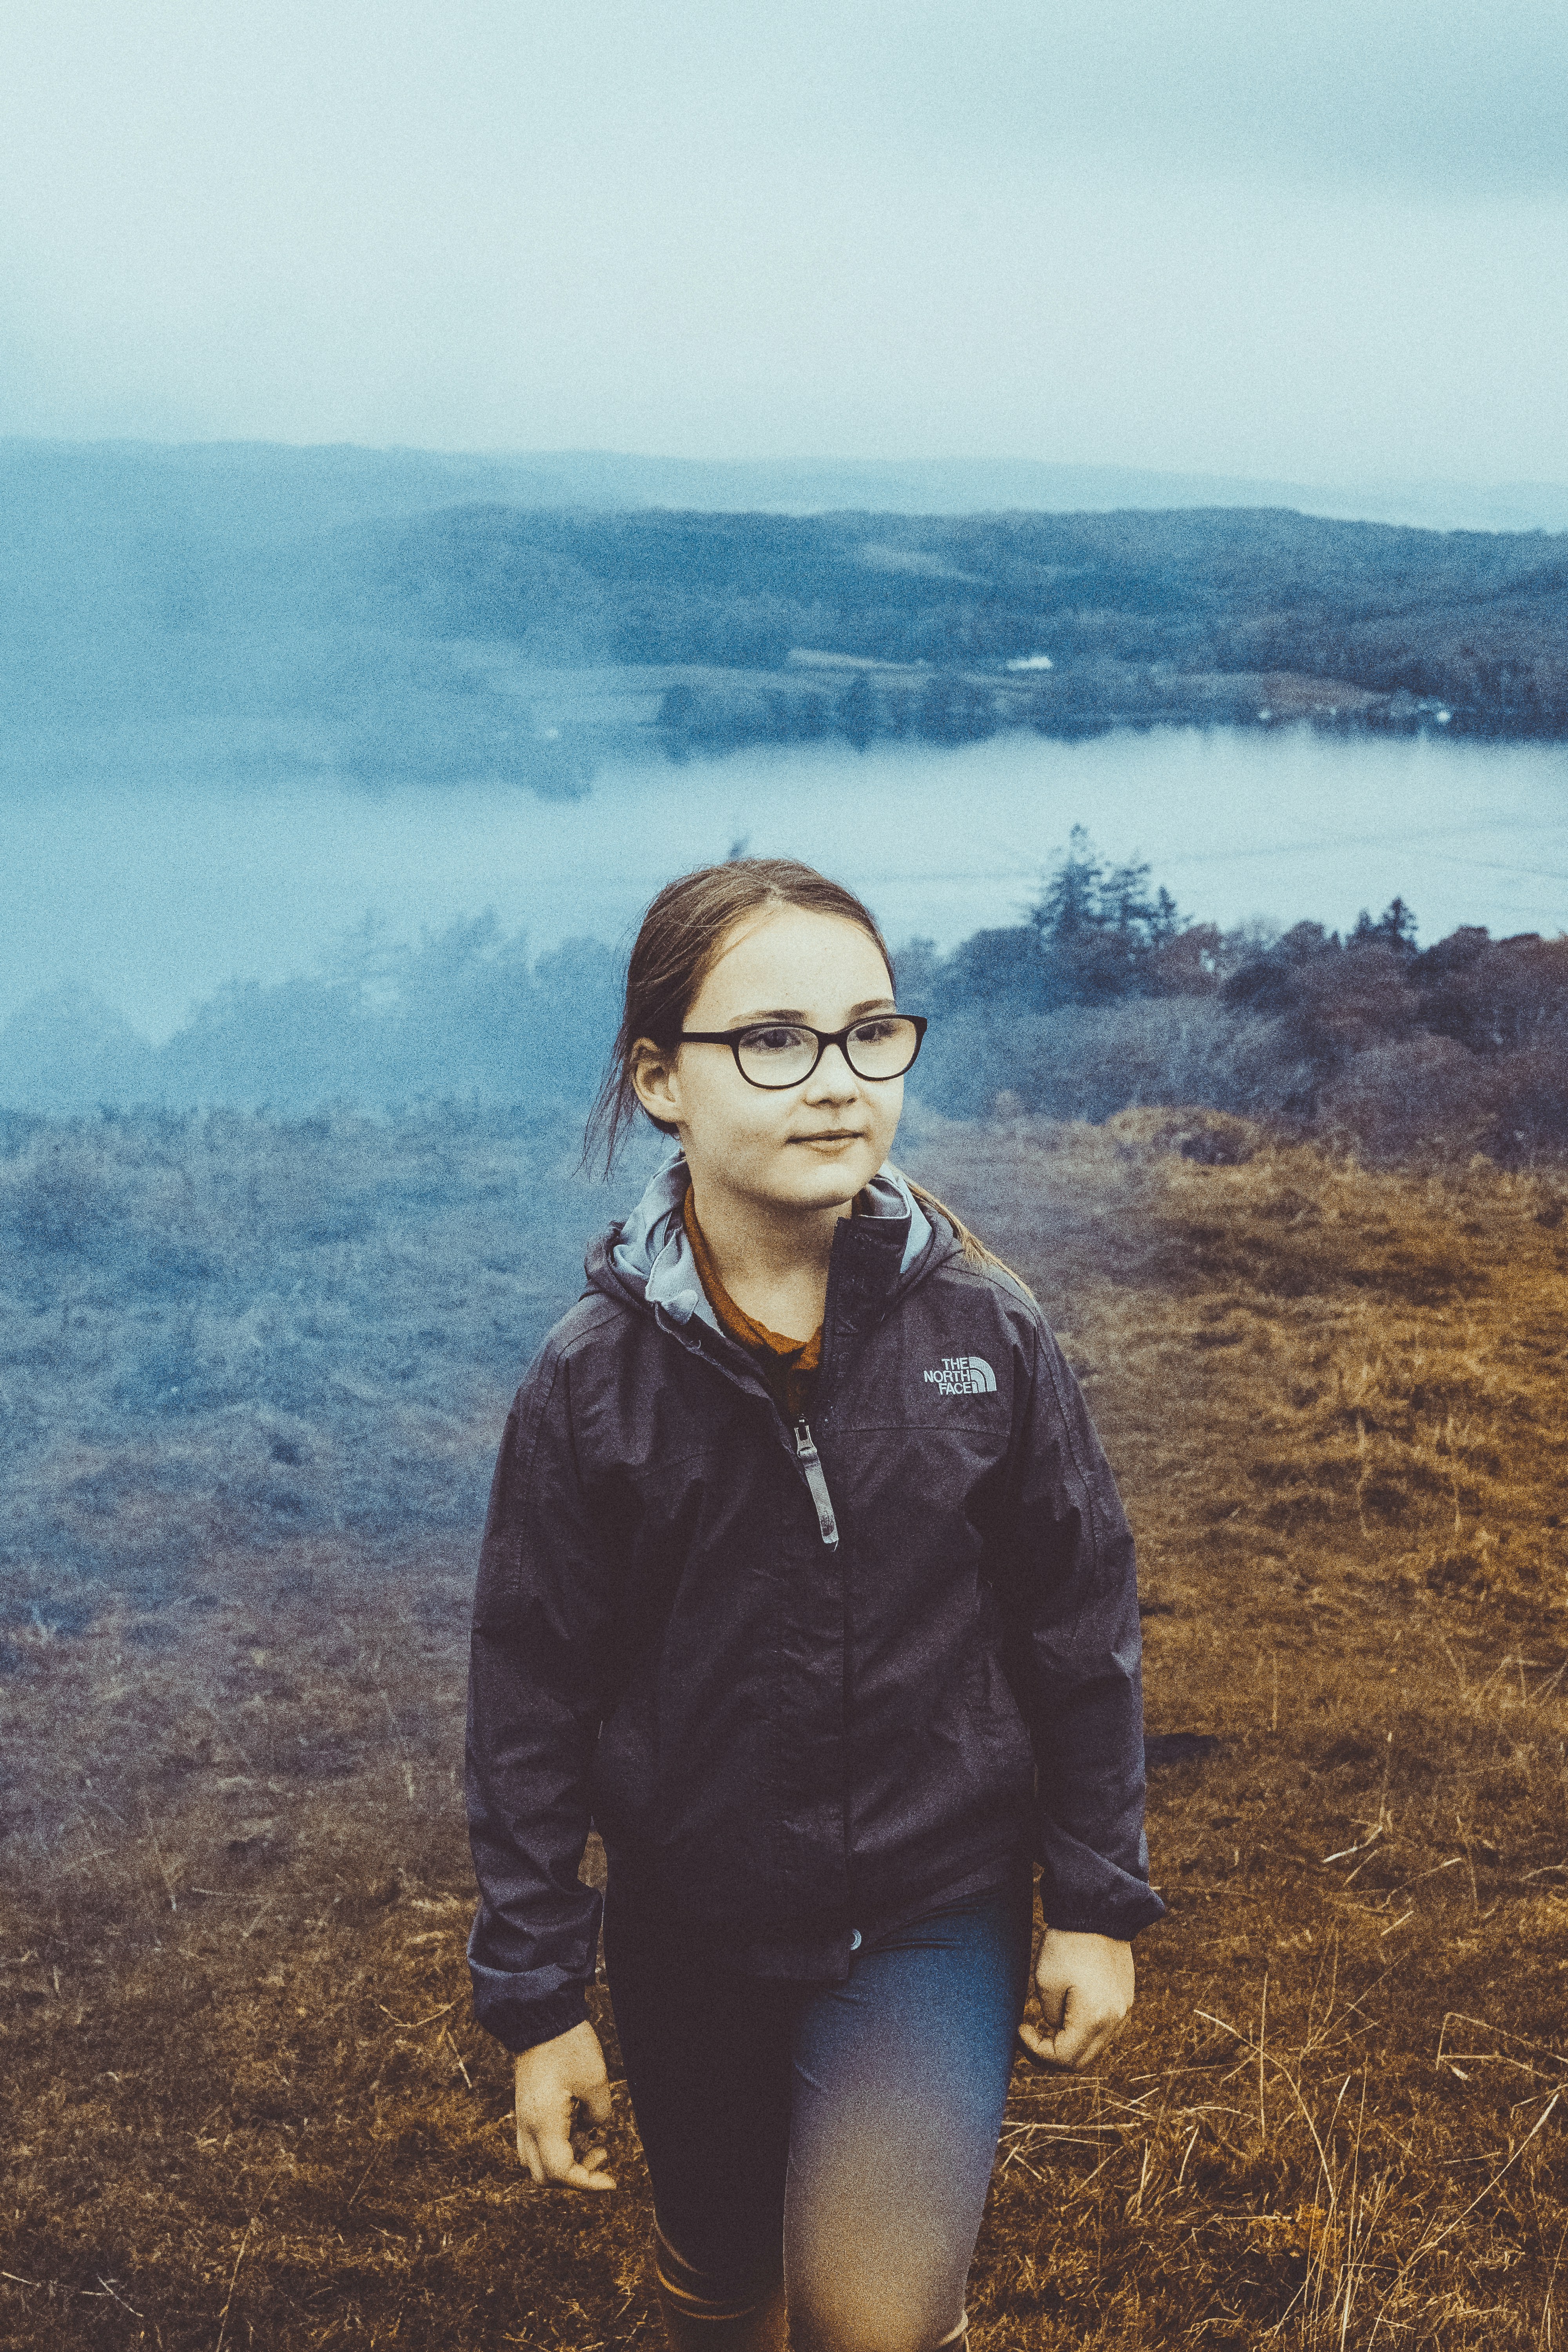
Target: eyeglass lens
column 782, row 1057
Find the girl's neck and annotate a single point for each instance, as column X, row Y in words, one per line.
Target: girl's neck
column 772, row 1259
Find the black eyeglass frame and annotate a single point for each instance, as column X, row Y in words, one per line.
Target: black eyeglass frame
column 734, row 1038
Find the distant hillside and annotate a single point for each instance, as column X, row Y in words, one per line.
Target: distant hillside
column 386, row 616
column 320, row 484
column 1080, row 619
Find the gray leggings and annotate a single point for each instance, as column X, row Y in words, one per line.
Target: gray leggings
column 841, row 2134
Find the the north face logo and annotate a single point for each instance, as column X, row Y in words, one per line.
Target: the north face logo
column 962, row 1376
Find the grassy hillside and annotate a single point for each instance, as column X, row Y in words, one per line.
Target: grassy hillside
column 249, row 2107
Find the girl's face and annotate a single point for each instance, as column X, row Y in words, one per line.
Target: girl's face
column 811, row 1146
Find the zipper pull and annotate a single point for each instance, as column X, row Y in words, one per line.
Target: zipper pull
column 816, row 1478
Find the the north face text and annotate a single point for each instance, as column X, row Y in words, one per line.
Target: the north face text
column 962, row 1376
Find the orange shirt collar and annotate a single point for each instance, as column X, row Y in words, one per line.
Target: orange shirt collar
column 798, row 1355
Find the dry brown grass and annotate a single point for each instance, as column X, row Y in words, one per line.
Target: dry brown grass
column 1333, row 1398
column 250, row 2108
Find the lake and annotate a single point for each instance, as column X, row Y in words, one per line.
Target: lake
column 153, row 898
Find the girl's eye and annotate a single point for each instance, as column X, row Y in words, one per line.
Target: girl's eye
column 774, row 1041
column 875, row 1033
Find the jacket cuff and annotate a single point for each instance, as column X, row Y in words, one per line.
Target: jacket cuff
column 1085, row 1894
column 1129, row 1918
column 518, row 2021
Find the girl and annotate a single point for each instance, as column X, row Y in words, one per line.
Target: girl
column 804, row 1579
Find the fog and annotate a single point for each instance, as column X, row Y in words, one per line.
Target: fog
column 152, row 899
column 325, row 775
column 1309, row 244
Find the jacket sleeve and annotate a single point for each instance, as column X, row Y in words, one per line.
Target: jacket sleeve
column 541, row 1609
column 1068, row 1594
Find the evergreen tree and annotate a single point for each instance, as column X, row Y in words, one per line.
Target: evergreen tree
column 856, row 713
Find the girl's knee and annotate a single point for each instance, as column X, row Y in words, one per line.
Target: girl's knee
column 855, row 2318
column 738, row 2308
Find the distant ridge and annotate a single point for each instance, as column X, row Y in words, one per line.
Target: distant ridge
column 280, row 485
column 408, row 616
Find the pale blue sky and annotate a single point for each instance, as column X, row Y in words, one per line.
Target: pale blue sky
column 1325, row 243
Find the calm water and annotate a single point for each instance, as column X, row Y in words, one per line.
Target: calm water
column 155, row 901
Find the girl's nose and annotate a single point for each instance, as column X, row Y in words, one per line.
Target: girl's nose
column 833, row 1080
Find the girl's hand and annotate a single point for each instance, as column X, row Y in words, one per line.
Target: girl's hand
column 551, row 2077
column 1085, row 1984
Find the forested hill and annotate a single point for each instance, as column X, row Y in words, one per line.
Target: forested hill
column 1138, row 614
column 399, row 616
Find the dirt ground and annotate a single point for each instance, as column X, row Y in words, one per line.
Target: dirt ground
column 248, row 2106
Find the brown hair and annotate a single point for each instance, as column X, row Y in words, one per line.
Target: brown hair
column 676, row 945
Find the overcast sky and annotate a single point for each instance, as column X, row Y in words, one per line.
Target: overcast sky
column 1324, row 242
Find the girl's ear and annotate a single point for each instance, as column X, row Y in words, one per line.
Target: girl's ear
column 653, row 1080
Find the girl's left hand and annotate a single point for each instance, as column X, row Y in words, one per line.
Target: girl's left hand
column 1085, row 1984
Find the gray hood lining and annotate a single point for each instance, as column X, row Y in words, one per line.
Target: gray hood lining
column 653, row 1255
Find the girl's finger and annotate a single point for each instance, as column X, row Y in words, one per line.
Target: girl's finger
column 588, row 2174
column 1039, row 2045
column 1070, row 2047
column 556, row 2155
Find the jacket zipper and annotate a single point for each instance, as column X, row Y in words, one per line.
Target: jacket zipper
column 817, row 1479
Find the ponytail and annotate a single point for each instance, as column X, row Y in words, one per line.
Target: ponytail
column 974, row 1250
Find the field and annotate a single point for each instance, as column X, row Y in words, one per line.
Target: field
column 251, row 1380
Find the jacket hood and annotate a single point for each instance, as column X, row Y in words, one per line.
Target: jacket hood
column 651, row 1255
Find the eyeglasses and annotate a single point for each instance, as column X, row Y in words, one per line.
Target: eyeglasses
column 785, row 1053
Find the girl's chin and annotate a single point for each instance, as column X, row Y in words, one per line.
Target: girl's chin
column 803, row 1175
column 813, row 1180
column 824, row 1180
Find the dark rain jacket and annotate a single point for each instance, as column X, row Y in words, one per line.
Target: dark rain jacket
column 806, row 1681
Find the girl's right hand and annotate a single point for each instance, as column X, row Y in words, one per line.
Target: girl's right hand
column 551, row 2077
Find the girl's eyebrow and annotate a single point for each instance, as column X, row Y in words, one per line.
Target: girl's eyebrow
column 793, row 1012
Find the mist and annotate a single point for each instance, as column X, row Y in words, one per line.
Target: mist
column 282, row 732
column 1091, row 479
column 1309, row 246
column 167, row 906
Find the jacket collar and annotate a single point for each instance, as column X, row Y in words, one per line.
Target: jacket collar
column 648, row 1255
